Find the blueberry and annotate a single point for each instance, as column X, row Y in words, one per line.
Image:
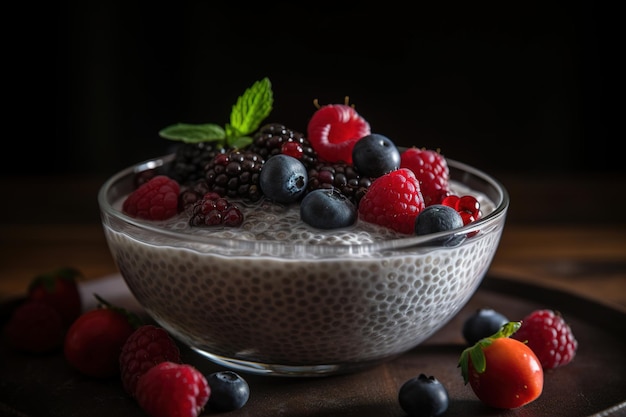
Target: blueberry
column 423, row 396
column 375, row 155
column 439, row 218
column 283, row 179
column 327, row 209
column 484, row 322
column 229, row 391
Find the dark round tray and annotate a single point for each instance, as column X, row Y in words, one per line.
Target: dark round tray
column 594, row 384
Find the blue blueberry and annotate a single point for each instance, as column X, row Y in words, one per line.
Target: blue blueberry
column 283, row 179
column 439, row 218
column 484, row 322
column 375, row 155
column 229, row 391
column 423, row 396
column 327, row 209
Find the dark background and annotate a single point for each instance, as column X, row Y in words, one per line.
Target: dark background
column 511, row 88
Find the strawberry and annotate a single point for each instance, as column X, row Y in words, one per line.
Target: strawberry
column 59, row 289
column 156, row 199
column 393, row 200
column 147, row 346
column 172, row 389
column 549, row 336
column 35, row 327
column 94, row 341
column 334, row 129
column 503, row 372
column 431, row 169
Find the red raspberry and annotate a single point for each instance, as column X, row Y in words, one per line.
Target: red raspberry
column 156, row 199
column 394, row 201
column 549, row 336
column 334, row 129
column 172, row 389
column 146, row 347
column 431, row 169
column 35, row 327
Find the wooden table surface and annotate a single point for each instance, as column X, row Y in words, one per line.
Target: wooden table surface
column 562, row 233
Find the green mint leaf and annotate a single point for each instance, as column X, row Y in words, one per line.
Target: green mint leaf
column 194, row 133
column 252, row 107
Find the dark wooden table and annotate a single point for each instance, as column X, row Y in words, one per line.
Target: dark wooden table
column 565, row 240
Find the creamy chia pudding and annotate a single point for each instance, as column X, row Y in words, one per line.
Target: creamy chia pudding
column 276, row 296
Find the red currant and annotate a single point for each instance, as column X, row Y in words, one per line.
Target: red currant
column 292, row 149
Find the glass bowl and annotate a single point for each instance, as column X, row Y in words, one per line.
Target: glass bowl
column 300, row 303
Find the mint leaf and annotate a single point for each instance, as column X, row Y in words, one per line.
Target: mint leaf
column 252, row 107
column 193, row 133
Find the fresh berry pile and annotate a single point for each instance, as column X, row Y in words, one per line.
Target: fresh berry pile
column 245, row 162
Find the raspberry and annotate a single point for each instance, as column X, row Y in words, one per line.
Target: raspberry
column 213, row 210
column 334, row 129
column 393, row 201
column 156, row 199
column 146, row 347
column 431, row 169
column 35, row 327
column 172, row 389
column 549, row 336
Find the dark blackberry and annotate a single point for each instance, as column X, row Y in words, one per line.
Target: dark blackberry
column 235, row 174
column 191, row 194
column 213, row 210
column 341, row 176
column 190, row 160
column 270, row 138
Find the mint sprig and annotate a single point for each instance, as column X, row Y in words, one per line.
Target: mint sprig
column 247, row 114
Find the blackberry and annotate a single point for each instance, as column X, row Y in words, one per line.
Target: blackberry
column 190, row 160
column 235, row 174
column 339, row 175
column 213, row 210
column 270, row 138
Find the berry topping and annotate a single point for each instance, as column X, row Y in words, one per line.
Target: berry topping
column 229, row 391
column 172, row 389
column 213, row 210
column 393, row 201
column 549, row 336
column 423, row 396
column 467, row 206
column 374, row 155
column 235, row 175
column 283, row 179
column 334, row 129
column 439, row 218
column 431, row 169
column 59, row 289
column 275, row 138
column 146, row 347
column 156, row 199
column 482, row 323
column 327, row 209
column 341, row 176
column 35, row 327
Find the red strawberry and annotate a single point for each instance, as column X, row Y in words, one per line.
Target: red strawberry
column 35, row 327
column 59, row 290
column 394, row 201
column 172, row 389
column 147, row 346
column 549, row 336
column 431, row 169
column 334, row 129
column 156, row 199
column 94, row 341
